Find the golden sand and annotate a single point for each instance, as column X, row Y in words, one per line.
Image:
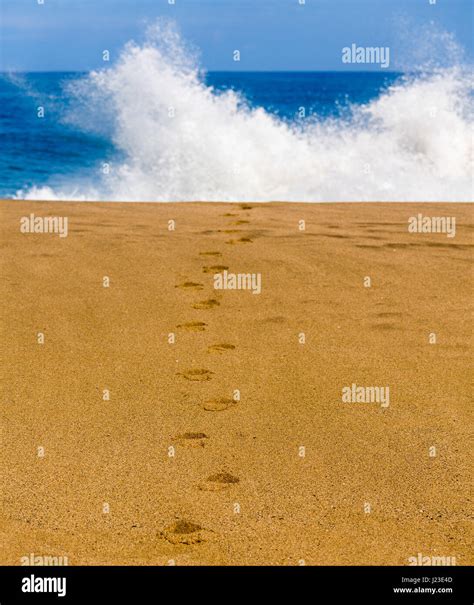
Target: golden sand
column 285, row 474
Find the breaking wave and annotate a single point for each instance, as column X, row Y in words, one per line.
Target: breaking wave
column 181, row 140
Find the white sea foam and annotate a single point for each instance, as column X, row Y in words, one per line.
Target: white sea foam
column 414, row 142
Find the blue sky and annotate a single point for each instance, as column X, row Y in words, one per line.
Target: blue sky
column 70, row 35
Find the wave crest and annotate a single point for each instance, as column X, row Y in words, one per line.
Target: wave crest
column 182, row 140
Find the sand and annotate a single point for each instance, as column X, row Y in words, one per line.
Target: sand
column 288, row 474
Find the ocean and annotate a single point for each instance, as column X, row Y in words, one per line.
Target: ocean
column 155, row 127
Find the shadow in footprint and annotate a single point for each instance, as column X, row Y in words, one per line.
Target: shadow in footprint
column 384, row 326
column 220, row 348
column 218, row 482
column 218, row 404
column 193, row 326
column 190, row 285
column 196, row 375
column 368, row 246
column 192, row 439
column 210, row 253
column 215, row 269
column 183, row 532
column 206, row 304
column 242, row 240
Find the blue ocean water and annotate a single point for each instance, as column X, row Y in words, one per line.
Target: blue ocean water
column 53, row 151
column 38, row 151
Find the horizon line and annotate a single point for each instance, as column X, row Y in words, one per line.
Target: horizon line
column 215, row 71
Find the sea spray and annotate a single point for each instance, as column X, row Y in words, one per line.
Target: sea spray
column 181, row 140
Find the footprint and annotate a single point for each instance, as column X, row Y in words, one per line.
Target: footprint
column 197, row 375
column 218, row 405
column 218, row 482
column 220, row 348
column 384, row 326
column 246, row 207
column 241, row 222
column 190, row 285
column 277, row 319
column 207, row 304
column 210, row 253
column 242, row 240
column 193, row 326
column 396, row 245
column 215, row 269
column 230, row 214
column 334, row 235
column 192, row 439
column 183, row 532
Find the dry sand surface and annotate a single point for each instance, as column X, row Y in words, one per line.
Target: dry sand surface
column 238, row 489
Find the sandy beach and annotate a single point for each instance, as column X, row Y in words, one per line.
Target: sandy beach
column 162, row 421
